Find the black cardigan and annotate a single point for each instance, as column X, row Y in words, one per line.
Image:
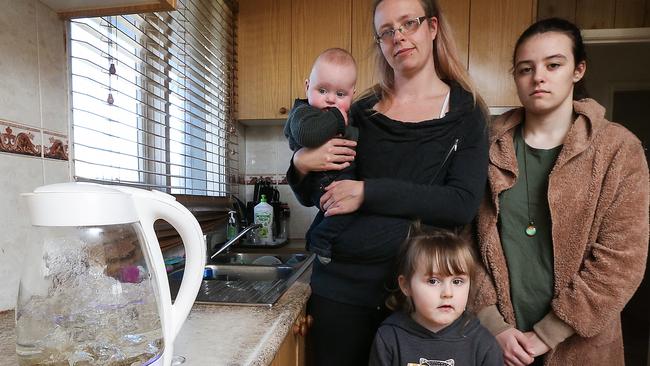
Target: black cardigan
column 434, row 171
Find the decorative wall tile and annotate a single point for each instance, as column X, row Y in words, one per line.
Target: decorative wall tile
column 33, row 97
column 273, row 178
column 55, row 145
column 20, row 139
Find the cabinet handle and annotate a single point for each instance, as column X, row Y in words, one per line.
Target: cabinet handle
column 303, row 329
column 310, row 321
column 296, row 329
column 283, row 110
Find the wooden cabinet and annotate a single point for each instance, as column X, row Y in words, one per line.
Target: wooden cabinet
column 93, row 8
column 292, row 349
column 363, row 43
column 457, row 15
column 495, row 26
column 598, row 14
column 316, row 26
column 279, row 39
column 264, row 59
column 278, row 42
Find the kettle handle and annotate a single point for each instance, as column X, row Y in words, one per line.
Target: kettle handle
column 158, row 205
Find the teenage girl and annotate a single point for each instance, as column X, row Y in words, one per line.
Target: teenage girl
column 563, row 230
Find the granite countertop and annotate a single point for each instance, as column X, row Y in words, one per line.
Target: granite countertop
column 8, row 338
column 215, row 334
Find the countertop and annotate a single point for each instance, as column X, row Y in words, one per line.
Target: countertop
column 215, row 334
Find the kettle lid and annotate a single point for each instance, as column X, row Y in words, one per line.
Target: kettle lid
column 80, row 204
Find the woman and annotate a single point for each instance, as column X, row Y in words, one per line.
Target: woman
column 421, row 154
column 563, row 230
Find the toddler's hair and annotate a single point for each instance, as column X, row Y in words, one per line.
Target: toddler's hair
column 448, row 252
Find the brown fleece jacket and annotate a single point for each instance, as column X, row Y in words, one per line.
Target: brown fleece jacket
column 598, row 199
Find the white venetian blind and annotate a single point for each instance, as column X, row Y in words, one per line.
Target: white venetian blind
column 152, row 98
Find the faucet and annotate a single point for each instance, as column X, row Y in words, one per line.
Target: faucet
column 235, row 239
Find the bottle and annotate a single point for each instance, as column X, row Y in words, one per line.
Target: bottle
column 231, row 229
column 283, row 231
column 263, row 214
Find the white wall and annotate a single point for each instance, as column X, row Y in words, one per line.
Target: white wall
column 266, row 154
column 33, row 101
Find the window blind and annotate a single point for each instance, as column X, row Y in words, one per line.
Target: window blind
column 153, row 98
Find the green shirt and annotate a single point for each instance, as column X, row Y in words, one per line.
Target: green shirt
column 529, row 259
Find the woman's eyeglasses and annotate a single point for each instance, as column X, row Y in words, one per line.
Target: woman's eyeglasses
column 408, row 27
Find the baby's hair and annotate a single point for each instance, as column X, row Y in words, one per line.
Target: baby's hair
column 448, row 252
column 337, row 56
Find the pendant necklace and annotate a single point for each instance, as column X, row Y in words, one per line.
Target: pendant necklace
column 531, row 230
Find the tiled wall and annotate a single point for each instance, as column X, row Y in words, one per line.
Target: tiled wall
column 267, row 154
column 33, row 123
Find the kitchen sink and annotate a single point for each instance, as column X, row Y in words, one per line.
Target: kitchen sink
column 260, row 258
column 246, row 278
column 239, row 272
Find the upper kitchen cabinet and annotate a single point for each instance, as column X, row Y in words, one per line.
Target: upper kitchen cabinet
column 598, row 14
column 94, row 8
column 363, row 43
column 457, row 15
column 264, row 59
column 315, row 26
column 494, row 28
column 278, row 42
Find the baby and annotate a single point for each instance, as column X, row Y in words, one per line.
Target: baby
column 311, row 123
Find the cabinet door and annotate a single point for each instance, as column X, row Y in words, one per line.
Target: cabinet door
column 457, row 14
column 264, row 54
column 565, row 9
column 495, row 26
column 316, row 26
column 292, row 349
column 363, row 43
column 288, row 353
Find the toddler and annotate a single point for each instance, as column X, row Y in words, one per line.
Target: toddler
column 435, row 267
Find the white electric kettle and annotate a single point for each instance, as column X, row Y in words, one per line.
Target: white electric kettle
column 94, row 288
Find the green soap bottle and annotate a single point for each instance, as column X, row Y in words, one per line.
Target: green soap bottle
column 263, row 214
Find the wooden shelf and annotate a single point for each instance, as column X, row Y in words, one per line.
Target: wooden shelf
column 69, row 9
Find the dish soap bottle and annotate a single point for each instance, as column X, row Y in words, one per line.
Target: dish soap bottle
column 263, row 214
column 231, row 229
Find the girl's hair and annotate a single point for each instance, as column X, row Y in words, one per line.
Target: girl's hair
column 445, row 57
column 564, row 27
column 446, row 252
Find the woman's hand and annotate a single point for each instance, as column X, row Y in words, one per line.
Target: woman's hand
column 514, row 344
column 342, row 197
column 536, row 347
column 335, row 154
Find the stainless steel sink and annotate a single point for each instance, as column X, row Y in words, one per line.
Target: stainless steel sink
column 260, row 258
column 247, row 278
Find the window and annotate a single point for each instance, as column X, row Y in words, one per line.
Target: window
column 152, row 98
